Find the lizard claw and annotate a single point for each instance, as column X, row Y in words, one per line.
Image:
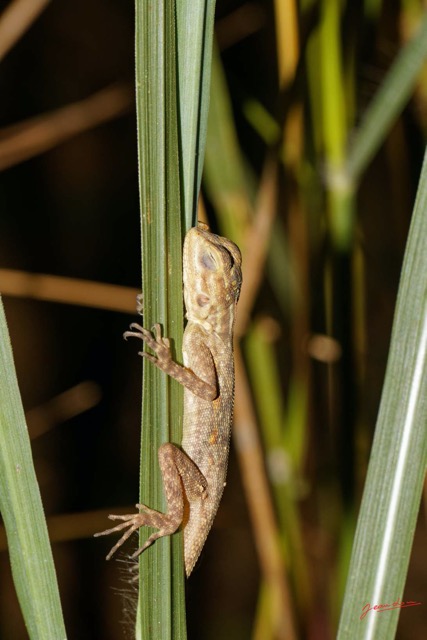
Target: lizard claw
column 154, row 341
column 138, row 331
column 157, row 330
column 140, row 303
column 147, row 356
column 138, row 327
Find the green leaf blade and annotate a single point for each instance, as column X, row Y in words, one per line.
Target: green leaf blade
column 393, row 94
column 195, row 21
column 172, row 72
column 399, row 453
column 22, row 511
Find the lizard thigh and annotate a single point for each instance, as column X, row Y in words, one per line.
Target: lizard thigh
column 173, row 463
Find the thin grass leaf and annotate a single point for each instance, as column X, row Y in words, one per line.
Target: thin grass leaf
column 195, row 21
column 397, row 467
column 161, row 600
column 22, row 511
column 281, row 458
column 333, row 106
column 172, row 78
column 230, row 186
column 225, row 178
column 389, row 101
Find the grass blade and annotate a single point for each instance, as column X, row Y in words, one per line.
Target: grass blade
column 161, row 601
column 399, row 454
column 395, row 91
column 195, row 20
column 172, row 77
column 22, row 511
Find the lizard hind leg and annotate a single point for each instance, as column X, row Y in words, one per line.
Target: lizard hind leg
column 178, row 471
column 165, row 523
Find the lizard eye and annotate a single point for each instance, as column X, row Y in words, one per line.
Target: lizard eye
column 202, row 300
column 208, row 261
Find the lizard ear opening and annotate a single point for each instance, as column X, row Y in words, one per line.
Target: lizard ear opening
column 202, row 300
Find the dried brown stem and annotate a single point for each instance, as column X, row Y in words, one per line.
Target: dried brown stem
column 256, row 244
column 32, row 137
column 62, row 407
column 16, row 19
column 67, row 290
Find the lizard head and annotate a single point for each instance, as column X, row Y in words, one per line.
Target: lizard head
column 212, row 268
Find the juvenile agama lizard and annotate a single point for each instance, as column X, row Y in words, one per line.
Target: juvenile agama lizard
column 194, row 474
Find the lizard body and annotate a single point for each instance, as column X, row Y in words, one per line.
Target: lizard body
column 194, row 474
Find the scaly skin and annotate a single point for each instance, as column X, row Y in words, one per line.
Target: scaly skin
column 194, row 475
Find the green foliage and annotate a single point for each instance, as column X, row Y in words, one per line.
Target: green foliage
column 399, row 453
column 392, row 96
column 172, row 80
column 157, row 109
column 22, row 511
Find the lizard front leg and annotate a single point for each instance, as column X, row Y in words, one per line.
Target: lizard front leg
column 181, row 480
column 164, row 361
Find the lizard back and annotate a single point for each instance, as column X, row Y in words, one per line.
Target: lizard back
column 206, row 440
column 212, row 281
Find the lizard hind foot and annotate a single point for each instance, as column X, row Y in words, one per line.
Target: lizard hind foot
column 130, row 521
column 165, row 524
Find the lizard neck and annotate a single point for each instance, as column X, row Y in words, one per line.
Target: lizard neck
column 219, row 322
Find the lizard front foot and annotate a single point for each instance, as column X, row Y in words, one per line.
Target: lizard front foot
column 158, row 344
column 165, row 524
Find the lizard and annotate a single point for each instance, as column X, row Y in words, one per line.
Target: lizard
column 194, row 474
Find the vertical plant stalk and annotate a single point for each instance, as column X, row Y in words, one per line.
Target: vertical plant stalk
column 334, row 117
column 172, row 90
column 230, row 191
column 390, row 99
column 22, row 510
column 398, row 462
column 161, row 596
column 195, row 23
column 261, row 510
